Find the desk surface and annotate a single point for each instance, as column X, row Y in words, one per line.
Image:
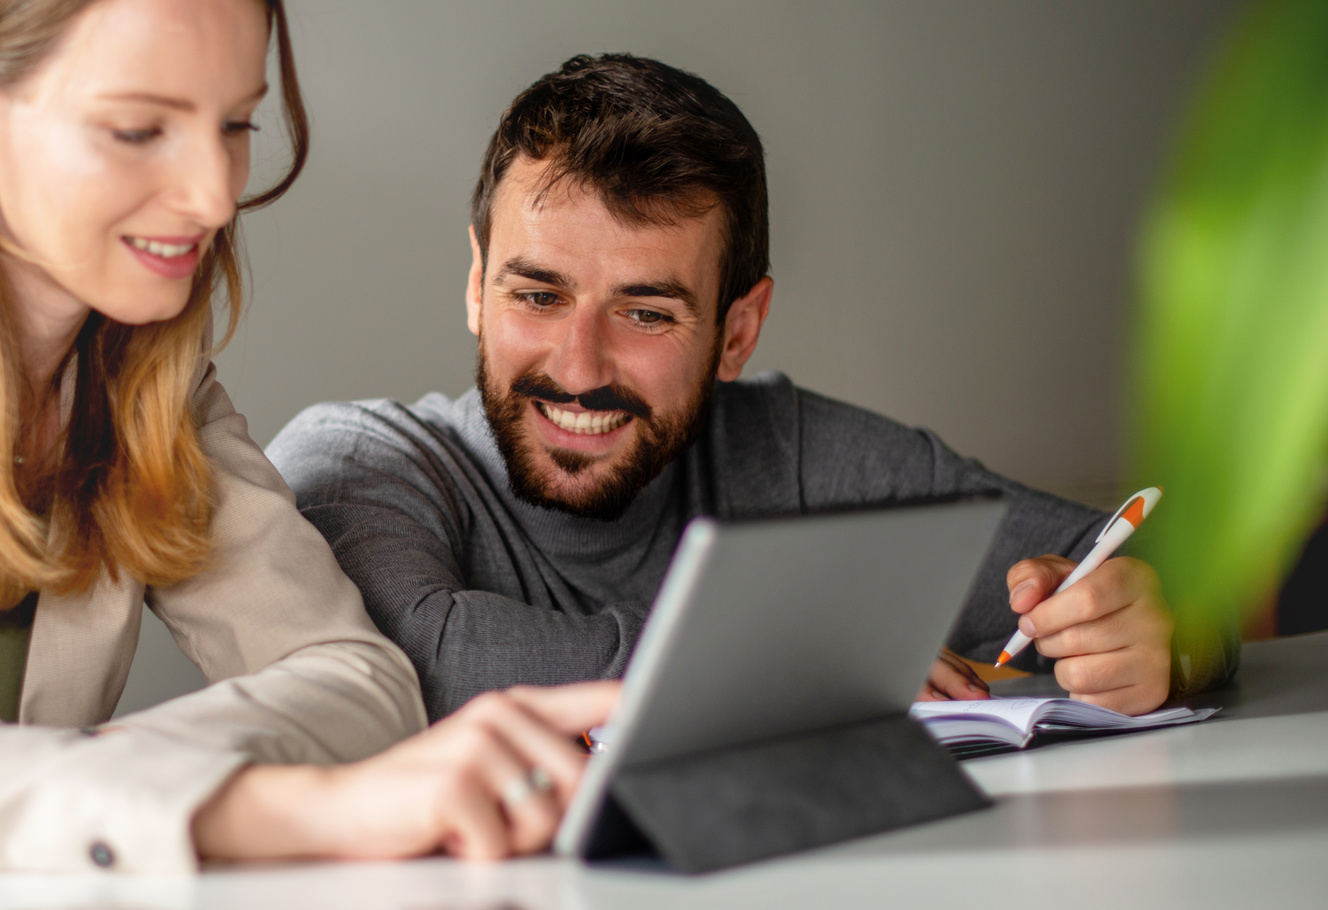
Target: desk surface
column 1230, row 812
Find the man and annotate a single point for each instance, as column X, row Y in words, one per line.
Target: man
column 518, row 534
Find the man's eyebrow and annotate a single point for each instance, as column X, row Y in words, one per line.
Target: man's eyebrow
column 531, row 271
column 176, row 104
column 675, row 290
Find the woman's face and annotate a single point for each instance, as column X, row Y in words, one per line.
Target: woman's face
column 125, row 151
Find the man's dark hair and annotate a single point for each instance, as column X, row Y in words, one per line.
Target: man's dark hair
column 657, row 144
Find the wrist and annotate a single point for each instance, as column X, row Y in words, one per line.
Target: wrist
column 267, row 812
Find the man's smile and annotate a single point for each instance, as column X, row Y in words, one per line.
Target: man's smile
column 583, row 423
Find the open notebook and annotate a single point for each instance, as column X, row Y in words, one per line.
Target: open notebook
column 969, row 728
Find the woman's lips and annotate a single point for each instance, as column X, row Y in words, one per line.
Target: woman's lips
column 169, row 257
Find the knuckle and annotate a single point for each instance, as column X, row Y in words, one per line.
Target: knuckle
column 1111, row 701
column 1143, row 570
column 473, row 739
column 1076, row 675
column 538, row 825
column 1091, row 602
column 486, row 849
column 1073, row 640
column 490, row 707
column 452, row 784
column 487, row 702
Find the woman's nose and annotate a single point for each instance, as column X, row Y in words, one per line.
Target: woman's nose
column 204, row 184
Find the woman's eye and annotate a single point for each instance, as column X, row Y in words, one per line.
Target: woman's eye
column 136, row 137
column 238, row 127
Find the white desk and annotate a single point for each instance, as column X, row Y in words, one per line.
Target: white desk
column 1232, row 812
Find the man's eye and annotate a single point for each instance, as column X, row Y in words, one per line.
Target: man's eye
column 136, row 137
column 238, row 127
column 539, row 299
column 648, row 317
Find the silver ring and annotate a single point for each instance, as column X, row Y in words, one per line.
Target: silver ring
column 519, row 789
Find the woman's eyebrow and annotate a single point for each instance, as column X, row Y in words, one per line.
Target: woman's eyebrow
column 177, row 104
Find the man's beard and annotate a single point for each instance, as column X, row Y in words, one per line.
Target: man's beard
column 659, row 440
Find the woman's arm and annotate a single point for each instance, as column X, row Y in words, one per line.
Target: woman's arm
column 118, row 801
column 303, row 674
column 490, row 781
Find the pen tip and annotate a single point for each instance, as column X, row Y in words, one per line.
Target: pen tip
column 1003, row 659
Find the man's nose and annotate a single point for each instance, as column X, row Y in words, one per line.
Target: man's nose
column 581, row 360
column 203, row 185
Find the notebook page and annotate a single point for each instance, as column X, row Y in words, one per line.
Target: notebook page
column 1024, row 713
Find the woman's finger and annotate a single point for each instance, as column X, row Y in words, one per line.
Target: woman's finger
column 533, row 741
column 522, row 794
column 572, row 708
column 472, row 825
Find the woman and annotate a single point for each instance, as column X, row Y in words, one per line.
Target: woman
column 124, row 147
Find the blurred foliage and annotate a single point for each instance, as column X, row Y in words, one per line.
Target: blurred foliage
column 1231, row 390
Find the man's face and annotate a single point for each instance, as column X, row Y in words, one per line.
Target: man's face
column 598, row 341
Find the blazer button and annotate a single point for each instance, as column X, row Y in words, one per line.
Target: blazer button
column 102, row 855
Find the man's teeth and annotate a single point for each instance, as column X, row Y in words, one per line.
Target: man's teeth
column 587, row 423
column 164, row 250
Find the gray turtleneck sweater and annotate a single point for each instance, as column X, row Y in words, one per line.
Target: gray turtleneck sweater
column 483, row 590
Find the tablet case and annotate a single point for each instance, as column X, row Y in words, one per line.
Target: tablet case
column 743, row 803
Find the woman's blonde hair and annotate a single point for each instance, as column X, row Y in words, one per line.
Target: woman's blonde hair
column 131, row 488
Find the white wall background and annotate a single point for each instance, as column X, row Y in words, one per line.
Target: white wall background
column 954, row 190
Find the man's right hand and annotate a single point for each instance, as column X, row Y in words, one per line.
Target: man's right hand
column 489, row 781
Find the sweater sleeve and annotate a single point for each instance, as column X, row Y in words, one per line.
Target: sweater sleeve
column 848, row 455
column 398, row 501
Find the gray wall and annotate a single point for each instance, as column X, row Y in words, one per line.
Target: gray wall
column 954, row 189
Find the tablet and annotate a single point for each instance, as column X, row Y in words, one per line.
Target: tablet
column 774, row 627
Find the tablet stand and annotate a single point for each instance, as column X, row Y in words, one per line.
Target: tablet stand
column 743, row 803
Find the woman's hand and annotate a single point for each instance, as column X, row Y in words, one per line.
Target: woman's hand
column 951, row 678
column 491, row 780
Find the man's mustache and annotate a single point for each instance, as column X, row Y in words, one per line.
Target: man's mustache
column 605, row 398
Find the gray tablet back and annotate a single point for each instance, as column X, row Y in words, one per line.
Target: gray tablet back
column 779, row 626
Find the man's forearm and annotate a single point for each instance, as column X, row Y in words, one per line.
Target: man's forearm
column 492, row 642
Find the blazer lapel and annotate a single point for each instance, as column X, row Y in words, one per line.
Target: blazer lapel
column 79, row 653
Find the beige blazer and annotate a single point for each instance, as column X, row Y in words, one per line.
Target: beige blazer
column 298, row 674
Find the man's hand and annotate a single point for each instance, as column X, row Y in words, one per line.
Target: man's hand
column 1110, row 632
column 952, row 679
column 489, row 781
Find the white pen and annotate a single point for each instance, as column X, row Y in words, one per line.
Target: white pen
column 1118, row 530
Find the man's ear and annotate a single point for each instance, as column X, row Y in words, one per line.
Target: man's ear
column 742, row 329
column 474, row 284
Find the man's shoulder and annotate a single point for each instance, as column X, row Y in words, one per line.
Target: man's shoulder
column 327, row 432
column 775, row 447
column 772, row 400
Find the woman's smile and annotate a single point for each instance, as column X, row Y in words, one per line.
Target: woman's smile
column 169, row 257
